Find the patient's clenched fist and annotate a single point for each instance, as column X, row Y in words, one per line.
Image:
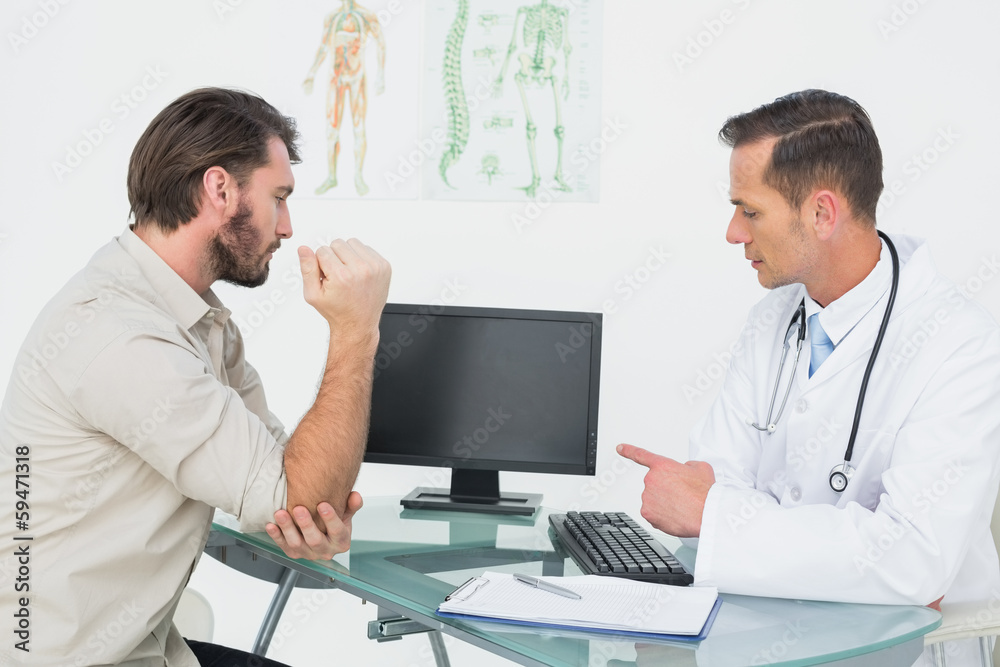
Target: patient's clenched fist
column 347, row 282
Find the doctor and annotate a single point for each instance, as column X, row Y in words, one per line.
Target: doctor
column 912, row 524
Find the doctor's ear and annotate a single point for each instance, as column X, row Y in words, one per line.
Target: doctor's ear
column 823, row 211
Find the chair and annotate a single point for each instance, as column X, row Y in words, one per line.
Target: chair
column 194, row 618
column 956, row 624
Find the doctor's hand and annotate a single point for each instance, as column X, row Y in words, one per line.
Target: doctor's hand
column 673, row 499
column 299, row 536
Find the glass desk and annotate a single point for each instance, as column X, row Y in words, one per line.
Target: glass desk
column 406, row 561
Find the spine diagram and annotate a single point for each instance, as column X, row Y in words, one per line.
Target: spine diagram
column 454, row 92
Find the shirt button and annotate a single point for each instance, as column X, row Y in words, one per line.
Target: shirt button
column 795, row 493
column 801, row 405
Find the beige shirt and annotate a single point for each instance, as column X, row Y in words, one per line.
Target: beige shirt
column 132, row 414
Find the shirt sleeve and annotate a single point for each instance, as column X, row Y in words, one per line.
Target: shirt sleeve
column 938, row 492
column 245, row 380
column 153, row 393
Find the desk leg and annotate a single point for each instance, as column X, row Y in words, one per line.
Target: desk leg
column 439, row 649
column 986, row 652
column 273, row 614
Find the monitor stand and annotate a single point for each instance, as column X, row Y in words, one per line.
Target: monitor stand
column 473, row 491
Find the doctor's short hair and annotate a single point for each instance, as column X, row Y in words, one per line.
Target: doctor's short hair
column 825, row 140
column 207, row 127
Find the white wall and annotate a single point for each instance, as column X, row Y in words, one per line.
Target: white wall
column 924, row 70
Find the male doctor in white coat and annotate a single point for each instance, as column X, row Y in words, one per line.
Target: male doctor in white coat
column 912, row 525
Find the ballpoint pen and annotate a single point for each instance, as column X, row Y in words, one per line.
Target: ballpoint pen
column 546, row 586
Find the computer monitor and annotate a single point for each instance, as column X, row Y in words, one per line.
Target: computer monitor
column 480, row 390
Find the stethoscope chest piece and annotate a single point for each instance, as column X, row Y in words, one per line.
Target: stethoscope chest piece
column 840, row 476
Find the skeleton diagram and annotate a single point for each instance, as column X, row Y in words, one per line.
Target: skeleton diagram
column 544, row 33
column 345, row 32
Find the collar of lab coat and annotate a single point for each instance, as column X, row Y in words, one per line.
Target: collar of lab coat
column 853, row 320
column 842, row 315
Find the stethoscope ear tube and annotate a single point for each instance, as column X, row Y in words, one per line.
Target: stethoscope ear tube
column 800, row 318
column 841, row 474
column 875, row 348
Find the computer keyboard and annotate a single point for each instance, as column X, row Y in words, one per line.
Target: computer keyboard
column 612, row 544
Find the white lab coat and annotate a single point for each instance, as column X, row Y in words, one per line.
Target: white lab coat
column 913, row 524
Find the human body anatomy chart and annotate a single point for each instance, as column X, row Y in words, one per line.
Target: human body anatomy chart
column 517, row 94
column 349, row 75
column 343, row 41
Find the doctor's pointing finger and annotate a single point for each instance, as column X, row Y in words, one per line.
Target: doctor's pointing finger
column 673, row 499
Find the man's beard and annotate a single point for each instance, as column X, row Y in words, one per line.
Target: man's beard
column 233, row 251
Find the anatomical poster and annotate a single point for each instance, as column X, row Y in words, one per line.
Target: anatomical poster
column 349, row 72
column 511, row 100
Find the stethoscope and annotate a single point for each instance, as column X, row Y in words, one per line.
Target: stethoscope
column 841, row 473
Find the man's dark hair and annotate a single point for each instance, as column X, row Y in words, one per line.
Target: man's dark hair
column 825, row 140
column 208, row 127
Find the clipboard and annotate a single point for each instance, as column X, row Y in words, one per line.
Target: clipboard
column 608, row 606
column 466, row 590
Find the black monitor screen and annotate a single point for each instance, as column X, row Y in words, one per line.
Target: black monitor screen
column 486, row 389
